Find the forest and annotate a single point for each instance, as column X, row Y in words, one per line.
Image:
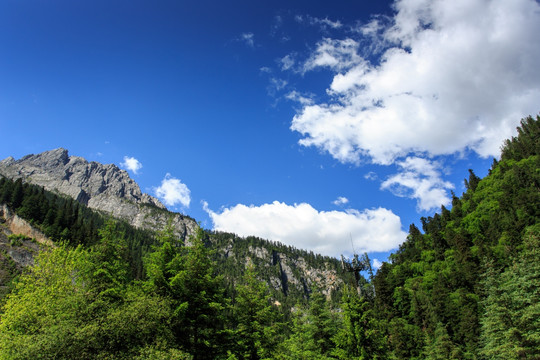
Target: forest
column 464, row 286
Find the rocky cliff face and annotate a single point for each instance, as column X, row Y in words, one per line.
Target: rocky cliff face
column 102, row 187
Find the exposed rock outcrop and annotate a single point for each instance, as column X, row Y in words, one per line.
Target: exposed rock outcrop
column 102, row 187
column 16, row 255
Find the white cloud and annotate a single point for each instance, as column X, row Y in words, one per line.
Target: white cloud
column 131, row 164
column 173, row 192
column 337, row 55
column 341, row 200
column 453, row 75
column 371, row 176
column 302, row 226
column 376, row 264
column 419, row 179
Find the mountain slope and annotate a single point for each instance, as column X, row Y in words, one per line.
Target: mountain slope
column 101, row 187
column 291, row 273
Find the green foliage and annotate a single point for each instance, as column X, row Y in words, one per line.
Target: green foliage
column 510, row 326
column 185, row 275
column 256, row 331
column 54, row 313
column 362, row 336
column 64, row 220
column 313, row 331
column 466, row 287
column 432, row 295
column 17, row 239
column 526, row 144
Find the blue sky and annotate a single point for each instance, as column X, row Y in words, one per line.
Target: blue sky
column 330, row 126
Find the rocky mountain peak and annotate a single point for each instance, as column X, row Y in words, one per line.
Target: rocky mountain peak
column 103, row 187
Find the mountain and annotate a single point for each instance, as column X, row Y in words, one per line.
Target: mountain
column 291, row 273
column 106, row 188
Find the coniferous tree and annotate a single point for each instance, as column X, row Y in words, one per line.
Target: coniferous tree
column 256, row 333
column 362, row 336
column 511, row 322
column 313, row 331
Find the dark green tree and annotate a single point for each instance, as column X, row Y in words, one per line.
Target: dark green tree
column 257, row 328
column 186, row 276
column 362, row 336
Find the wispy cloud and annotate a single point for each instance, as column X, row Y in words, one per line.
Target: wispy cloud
column 324, row 24
column 302, row 226
column 173, row 192
column 276, row 85
column 131, row 164
column 287, row 62
column 303, row 99
column 248, row 39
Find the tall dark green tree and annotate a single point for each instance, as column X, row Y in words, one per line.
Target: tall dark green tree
column 257, row 327
column 362, row 336
column 186, row 276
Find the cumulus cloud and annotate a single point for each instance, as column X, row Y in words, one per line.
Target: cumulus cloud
column 453, row 75
column 341, row 200
column 302, row 226
column 173, row 192
column 131, row 164
column 419, row 179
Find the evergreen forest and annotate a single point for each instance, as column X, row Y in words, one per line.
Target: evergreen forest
column 464, row 286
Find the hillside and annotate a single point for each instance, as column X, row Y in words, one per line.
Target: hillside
column 59, row 194
column 465, row 286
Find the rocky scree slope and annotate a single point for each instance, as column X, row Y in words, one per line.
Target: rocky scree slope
column 106, row 188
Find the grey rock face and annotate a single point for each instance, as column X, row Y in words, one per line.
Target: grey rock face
column 102, row 187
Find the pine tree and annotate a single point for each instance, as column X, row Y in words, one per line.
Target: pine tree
column 313, row 331
column 256, row 333
column 186, row 276
column 361, row 337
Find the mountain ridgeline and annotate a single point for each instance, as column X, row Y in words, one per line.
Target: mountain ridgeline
column 464, row 286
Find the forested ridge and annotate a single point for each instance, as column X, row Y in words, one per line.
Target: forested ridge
column 465, row 286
